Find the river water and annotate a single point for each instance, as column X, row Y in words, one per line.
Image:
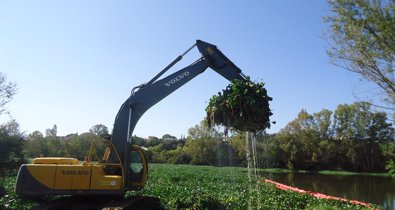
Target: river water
column 370, row 189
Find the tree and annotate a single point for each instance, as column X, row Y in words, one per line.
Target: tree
column 153, row 141
column 268, row 155
column 202, row 151
column 79, row 145
column 11, row 144
column 205, row 146
column 203, row 131
column 299, row 142
column 49, row 146
column 35, row 145
column 7, row 91
column 362, row 40
column 99, row 130
column 55, row 146
column 11, row 139
column 353, row 138
column 322, row 123
column 139, row 141
column 361, row 131
column 52, row 131
column 238, row 144
column 390, row 166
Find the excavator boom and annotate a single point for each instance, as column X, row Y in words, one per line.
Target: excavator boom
column 146, row 95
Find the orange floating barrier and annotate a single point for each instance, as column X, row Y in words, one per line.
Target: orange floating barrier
column 315, row 194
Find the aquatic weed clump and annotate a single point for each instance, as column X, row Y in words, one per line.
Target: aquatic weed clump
column 243, row 105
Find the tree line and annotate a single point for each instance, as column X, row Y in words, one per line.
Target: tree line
column 353, row 137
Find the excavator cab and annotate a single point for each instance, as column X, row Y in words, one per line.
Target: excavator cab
column 138, row 168
column 137, row 172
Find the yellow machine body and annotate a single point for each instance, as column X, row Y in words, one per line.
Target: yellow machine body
column 74, row 177
column 96, row 175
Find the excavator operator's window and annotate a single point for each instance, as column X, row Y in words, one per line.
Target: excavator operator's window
column 136, row 165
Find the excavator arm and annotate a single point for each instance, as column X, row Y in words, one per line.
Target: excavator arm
column 146, row 95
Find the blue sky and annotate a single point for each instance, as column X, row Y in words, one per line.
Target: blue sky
column 75, row 62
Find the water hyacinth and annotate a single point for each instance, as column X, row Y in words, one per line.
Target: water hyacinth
column 204, row 187
column 243, row 105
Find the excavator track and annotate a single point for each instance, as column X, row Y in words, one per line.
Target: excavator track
column 102, row 203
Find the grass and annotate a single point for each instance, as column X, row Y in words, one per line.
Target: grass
column 205, row 187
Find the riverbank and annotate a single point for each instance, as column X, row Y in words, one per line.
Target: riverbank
column 327, row 172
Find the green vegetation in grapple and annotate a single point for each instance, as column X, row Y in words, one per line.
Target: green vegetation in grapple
column 242, row 105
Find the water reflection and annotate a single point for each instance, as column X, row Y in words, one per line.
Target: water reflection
column 370, row 189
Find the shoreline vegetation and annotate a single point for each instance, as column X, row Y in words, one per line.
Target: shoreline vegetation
column 326, row 172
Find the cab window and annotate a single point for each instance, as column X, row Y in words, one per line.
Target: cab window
column 136, row 164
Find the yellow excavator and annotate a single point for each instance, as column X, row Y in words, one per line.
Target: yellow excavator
column 115, row 165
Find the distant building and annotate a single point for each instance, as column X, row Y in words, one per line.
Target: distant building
column 152, row 138
column 168, row 137
column 68, row 137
